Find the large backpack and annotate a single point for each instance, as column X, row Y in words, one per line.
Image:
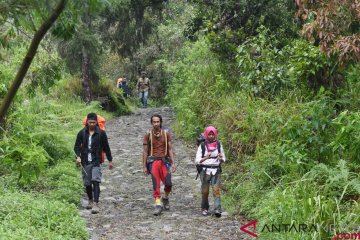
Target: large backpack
column 101, row 123
column 200, row 139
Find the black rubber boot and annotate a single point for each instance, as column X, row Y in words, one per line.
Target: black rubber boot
column 166, row 203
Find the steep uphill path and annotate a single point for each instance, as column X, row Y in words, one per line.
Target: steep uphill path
column 126, row 201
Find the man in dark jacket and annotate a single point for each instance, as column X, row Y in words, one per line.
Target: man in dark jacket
column 90, row 142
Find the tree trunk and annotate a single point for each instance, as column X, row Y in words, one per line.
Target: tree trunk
column 28, row 59
column 85, row 69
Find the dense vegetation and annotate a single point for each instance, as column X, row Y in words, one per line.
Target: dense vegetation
column 287, row 113
column 286, row 104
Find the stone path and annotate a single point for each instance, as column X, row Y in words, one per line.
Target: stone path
column 126, row 201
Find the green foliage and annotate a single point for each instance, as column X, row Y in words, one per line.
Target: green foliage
column 25, row 158
column 44, row 77
column 69, row 87
column 128, row 24
column 229, row 23
column 298, row 163
column 306, row 60
column 196, row 82
column 33, row 216
column 263, row 68
column 349, row 96
column 36, row 137
column 123, row 106
column 268, row 71
column 319, row 197
column 10, row 63
column 347, row 139
column 290, row 143
column 36, row 153
column 62, row 183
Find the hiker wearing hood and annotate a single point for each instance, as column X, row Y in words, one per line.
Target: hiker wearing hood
column 209, row 156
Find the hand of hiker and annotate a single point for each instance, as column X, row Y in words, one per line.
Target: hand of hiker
column 173, row 168
column 78, row 161
column 110, row 165
column 146, row 172
column 221, row 157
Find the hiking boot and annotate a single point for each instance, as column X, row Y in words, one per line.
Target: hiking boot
column 90, row 204
column 217, row 213
column 95, row 209
column 204, row 212
column 166, row 203
column 158, row 210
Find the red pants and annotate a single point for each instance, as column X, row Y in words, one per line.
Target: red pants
column 159, row 171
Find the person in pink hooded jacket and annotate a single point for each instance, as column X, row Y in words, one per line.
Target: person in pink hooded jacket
column 209, row 156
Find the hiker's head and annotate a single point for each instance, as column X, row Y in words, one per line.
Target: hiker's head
column 156, row 121
column 143, row 73
column 210, row 133
column 91, row 120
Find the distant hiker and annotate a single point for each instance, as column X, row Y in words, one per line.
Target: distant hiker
column 118, row 82
column 90, row 142
column 123, row 84
column 143, row 86
column 209, row 156
column 158, row 160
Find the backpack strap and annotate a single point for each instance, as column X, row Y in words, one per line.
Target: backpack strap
column 150, row 145
column 202, row 149
column 166, row 143
column 203, row 146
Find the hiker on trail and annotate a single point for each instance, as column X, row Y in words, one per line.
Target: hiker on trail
column 143, row 86
column 158, row 160
column 90, row 142
column 123, row 84
column 118, row 82
column 209, row 156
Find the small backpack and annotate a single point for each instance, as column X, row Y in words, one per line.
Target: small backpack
column 101, row 123
column 200, row 139
column 202, row 142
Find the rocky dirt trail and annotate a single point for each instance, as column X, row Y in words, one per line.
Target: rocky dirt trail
column 126, row 201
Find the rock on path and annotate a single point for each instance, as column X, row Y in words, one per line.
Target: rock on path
column 126, row 201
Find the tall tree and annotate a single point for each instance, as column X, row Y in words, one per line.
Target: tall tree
column 39, row 34
column 127, row 25
column 229, row 23
column 82, row 50
column 333, row 25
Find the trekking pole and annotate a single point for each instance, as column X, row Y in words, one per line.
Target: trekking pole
column 80, row 164
column 83, row 169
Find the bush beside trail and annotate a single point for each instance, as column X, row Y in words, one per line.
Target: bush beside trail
column 293, row 149
column 42, row 187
